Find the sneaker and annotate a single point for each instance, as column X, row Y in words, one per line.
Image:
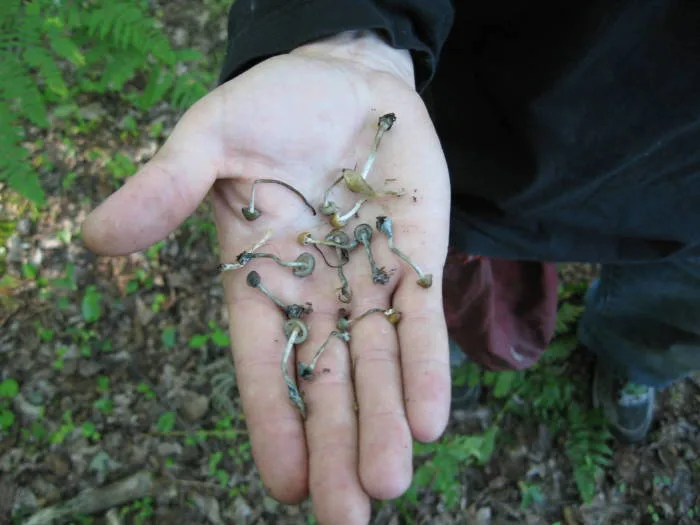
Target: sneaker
column 628, row 406
column 464, row 397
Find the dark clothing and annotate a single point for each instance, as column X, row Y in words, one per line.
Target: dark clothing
column 571, row 129
column 572, row 133
column 644, row 320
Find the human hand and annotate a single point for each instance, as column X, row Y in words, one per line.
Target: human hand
column 300, row 118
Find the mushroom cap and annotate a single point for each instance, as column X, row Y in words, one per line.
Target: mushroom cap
column 253, row 279
column 296, row 324
column 386, row 121
column 426, row 281
column 363, row 233
column 250, row 215
column 304, row 238
column 309, row 262
column 305, row 371
column 338, row 237
column 385, row 225
column 328, row 208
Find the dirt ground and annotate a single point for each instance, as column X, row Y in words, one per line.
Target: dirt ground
column 97, row 394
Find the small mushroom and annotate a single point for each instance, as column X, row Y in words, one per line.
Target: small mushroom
column 302, row 266
column 305, row 371
column 292, row 311
column 385, row 225
column 296, row 332
column 345, row 323
column 336, row 239
column 250, row 213
column 245, row 257
column 363, row 235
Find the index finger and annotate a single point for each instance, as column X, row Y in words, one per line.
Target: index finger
column 256, row 325
column 274, row 424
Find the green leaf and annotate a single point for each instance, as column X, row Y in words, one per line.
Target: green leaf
column 188, row 55
column 29, row 271
column 158, row 85
column 66, row 48
column 27, row 184
column 89, row 429
column 46, row 334
column 198, row 340
column 64, row 110
column 489, row 377
column 220, row 338
column 103, row 384
column 223, row 477
column 486, row 446
column 132, row 286
column 38, row 431
column 64, row 235
column 214, row 461
column 91, row 307
column 166, row 422
column 561, row 348
column 504, row 384
column 7, row 419
column 104, row 405
column 567, row 315
column 9, row 388
column 169, row 336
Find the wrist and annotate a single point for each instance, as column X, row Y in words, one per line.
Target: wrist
column 365, row 48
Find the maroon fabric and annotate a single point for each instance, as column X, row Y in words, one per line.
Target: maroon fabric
column 501, row 313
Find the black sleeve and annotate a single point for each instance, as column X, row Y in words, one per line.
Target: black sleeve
column 259, row 29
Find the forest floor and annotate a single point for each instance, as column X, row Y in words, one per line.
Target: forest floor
column 123, row 372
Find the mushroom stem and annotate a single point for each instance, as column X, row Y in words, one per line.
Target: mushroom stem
column 328, row 207
column 244, row 257
column 385, row 225
column 363, row 235
column 298, row 333
column 307, row 371
column 292, row 311
column 344, row 294
column 391, row 315
column 383, row 125
column 251, row 213
column 303, row 265
column 338, row 221
column 306, row 239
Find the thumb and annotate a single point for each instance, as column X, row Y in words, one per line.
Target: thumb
column 161, row 195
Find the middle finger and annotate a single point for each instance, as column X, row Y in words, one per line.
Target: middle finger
column 385, row 437
column 331, row 428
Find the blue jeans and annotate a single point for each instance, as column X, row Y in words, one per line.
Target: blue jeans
column 644, row 320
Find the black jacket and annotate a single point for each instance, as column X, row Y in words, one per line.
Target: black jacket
column 571, row 129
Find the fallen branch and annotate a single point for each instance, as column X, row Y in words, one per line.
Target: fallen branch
column 223, row 433
column 91, row 501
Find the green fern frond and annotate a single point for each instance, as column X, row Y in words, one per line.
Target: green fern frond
column 50, row 51
column 127, row 25
column 588, row 449
column 19, row 90
column 15, row 167
column 158, row 85
column 120, row 70
column 187, row 90
column 567, row 315
column 45, row 64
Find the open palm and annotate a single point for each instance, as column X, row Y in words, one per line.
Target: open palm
column 301, row 119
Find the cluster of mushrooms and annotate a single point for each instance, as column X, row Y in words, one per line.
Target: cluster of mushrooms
column 338, row 240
